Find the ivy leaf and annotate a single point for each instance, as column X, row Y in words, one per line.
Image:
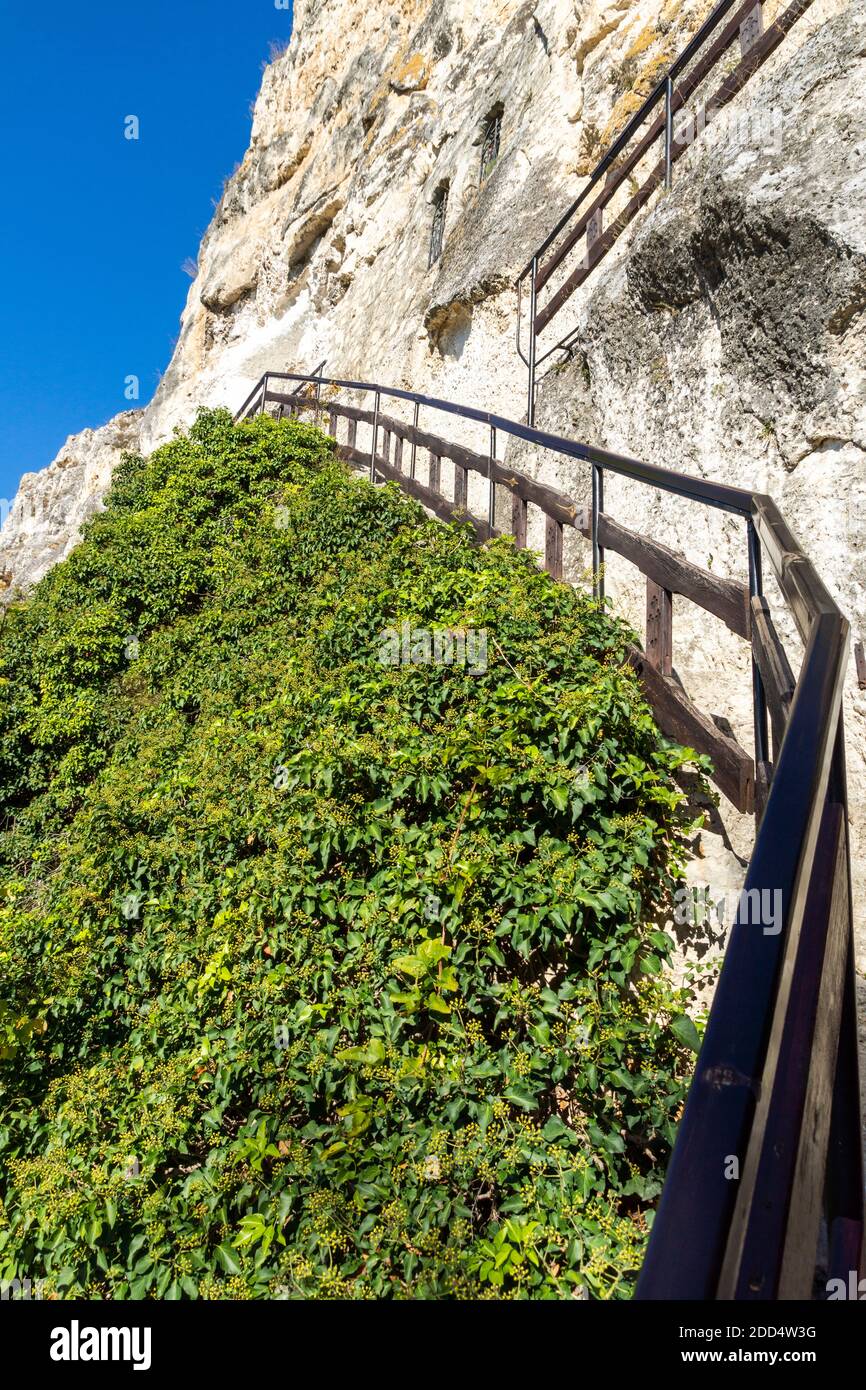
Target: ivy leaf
column 369, row 1055
column 684, row 1029
column 229, row 1259
column 521, row 1096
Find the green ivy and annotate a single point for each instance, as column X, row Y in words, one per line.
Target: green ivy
column 323, row 977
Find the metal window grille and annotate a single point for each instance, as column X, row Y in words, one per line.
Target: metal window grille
column 490, row 144
column 437, row 231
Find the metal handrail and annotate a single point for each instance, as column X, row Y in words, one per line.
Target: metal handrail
column 707, row 1230
column 729, row 499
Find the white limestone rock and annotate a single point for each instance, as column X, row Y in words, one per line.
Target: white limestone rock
column 51, row 505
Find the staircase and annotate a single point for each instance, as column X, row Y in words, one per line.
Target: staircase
column 655, row 137
column 776, row 1082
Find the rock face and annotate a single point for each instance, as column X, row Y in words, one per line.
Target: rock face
column 727, row 340
column 51, row 505
column 319, row 248
column 723, row 336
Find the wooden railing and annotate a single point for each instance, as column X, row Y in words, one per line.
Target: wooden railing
column 581, row 229
column 776, row 1083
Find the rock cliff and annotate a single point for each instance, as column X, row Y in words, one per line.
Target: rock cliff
column 51, row 505
column 723, row 336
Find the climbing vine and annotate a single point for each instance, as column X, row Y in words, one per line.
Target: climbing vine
column 325, row 975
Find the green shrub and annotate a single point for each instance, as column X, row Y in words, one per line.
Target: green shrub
column 321, row 976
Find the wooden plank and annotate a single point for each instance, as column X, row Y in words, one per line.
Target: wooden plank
column 332, row 423
column 724, row 598
column 843, row 1181
column 601, row 247
column 594, row 227
column 751, row 28
column 760, row 51
column 518, row 520
column 549, row 499
column 435, row 475
column 659, row 627
column 553, row 548
column 386, row 443
column 806, row 1206
column 860, row 663
column 776, row 673
column 680, row 719
column 398, row 453
column 434, row 501
column 353, row 433
column 461, row 490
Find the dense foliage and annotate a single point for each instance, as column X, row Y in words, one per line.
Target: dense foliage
column 322, row 976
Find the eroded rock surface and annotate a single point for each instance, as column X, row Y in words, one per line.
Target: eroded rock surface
column 50, row 506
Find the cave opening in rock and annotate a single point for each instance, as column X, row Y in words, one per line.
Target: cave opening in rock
column 437, row 229
column 491, row 140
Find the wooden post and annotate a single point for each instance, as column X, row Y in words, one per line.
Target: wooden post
column 398, row 453
column 518, row 521
column 594, row 229
column 460, row 487
column 751, row 29
column 553, row 547
column 435, row 472
column 332, row 424
column 659, row 627
column 353, row 433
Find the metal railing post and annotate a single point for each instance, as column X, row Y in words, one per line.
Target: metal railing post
column 414, row 442
column 375, row 439
column 491, row 486
column 759, row 699
column 519, row 312
column 669, row 131
column 533, row 299
column 597, row 551
column 264, row 393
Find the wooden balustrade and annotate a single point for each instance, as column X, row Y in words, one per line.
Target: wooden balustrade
column 666, row 574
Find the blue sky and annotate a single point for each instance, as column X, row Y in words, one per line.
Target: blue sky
column 95, row 227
